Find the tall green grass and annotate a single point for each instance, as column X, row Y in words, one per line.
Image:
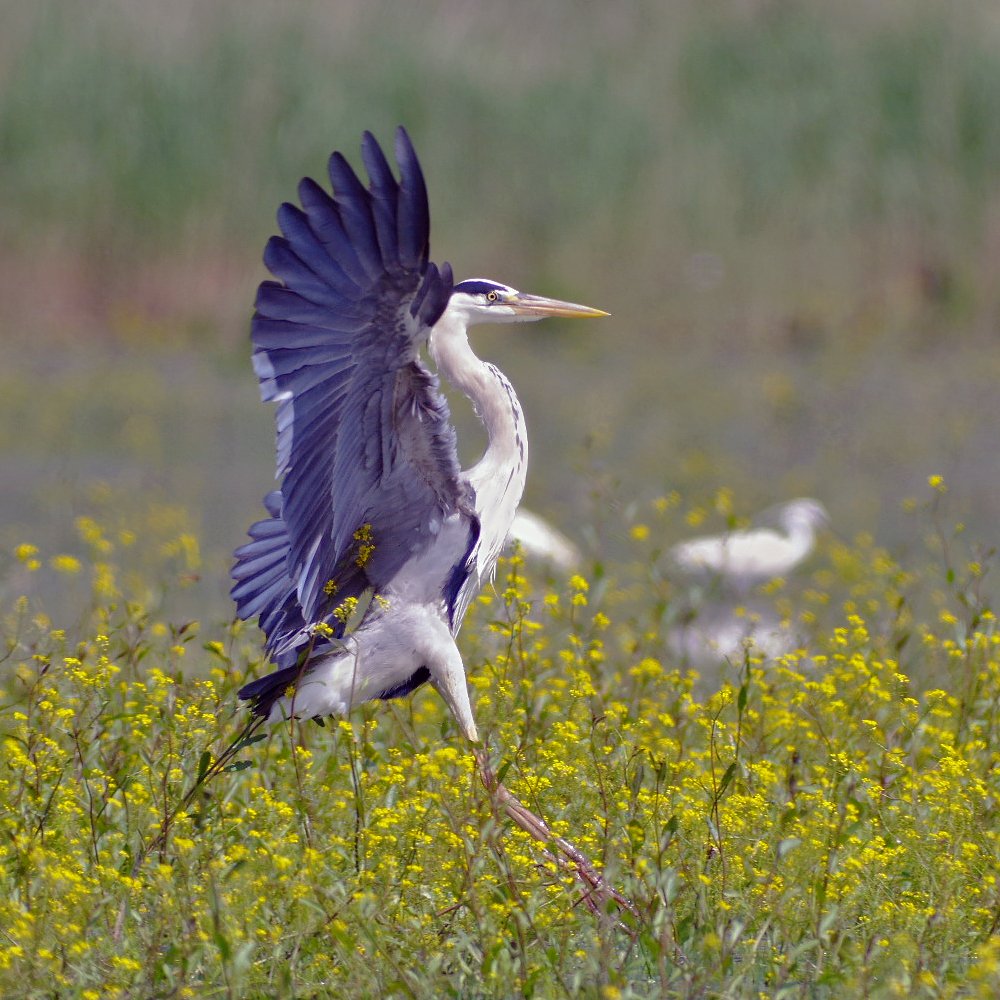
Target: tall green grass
column 137, row 125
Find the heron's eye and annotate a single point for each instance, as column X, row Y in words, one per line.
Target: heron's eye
column 492, row 296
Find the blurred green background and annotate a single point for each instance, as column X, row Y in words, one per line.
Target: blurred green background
column 792, row 211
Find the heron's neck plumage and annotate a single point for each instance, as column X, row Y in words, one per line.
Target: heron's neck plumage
column 498, row 477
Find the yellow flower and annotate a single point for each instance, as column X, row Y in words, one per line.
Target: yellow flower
column 695, row 517
column 126, row 963
column 366, row 544
column 342, row 612
column 66, row 564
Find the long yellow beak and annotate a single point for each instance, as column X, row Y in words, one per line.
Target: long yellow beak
column 535, row 307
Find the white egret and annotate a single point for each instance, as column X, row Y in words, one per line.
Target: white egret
column 745, row 558
column 721, row 632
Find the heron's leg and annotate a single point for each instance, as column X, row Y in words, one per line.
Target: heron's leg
column 598, row 890
column 448, row 676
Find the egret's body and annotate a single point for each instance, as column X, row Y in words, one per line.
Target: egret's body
column 373, row 503
column 720, row 626
column 744, row 558
column 719, row 633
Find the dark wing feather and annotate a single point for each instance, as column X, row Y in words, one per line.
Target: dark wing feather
column 413, row 217
column 262, row 585
column 363, row 434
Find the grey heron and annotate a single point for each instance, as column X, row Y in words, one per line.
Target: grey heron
column 373, row 505
column 372, row 499
column 744, row 558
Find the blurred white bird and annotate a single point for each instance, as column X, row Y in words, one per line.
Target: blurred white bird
column 540, row 540
column 744, row 558
column 720, row 633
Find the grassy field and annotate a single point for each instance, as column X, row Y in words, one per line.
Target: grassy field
column 820, row 825
column 792, row 210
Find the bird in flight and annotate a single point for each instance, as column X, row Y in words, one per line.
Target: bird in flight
column 374, row 519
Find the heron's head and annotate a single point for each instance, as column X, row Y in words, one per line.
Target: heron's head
column 804, row 513
column 479, row 300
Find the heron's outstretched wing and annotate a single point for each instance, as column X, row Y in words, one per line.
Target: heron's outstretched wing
column 263, row 588
column 366, row 450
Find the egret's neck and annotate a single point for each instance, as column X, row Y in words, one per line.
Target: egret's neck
column 802, row 533
column 801, row 538
column 501, row 470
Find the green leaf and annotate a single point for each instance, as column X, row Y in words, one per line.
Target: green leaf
column 204, row 763
column 249, row 741
column 726, row 779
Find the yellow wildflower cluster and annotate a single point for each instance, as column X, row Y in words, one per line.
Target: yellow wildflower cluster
column 27, row 555
column 345, row 609
column 365, row 538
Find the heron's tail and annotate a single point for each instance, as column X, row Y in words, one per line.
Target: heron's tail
column 265, row 691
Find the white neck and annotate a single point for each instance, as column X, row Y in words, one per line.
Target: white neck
column 801, row 538
column 489, row 391
column 498, row 477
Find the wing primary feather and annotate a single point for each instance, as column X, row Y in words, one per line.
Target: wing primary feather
column 276, row 302
column 284, row 263
column 271, row 333
column 353, row 203
column 272, row 503
column 294, row 224
column 385, row 190
column 413, row 214
column 324, row 217
column 284, row 362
